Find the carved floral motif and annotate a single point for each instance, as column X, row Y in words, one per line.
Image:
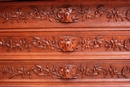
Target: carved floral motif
column 65, row 43
column 65, row 14
column 116, row 15
column 17, row 15
column 67, row 71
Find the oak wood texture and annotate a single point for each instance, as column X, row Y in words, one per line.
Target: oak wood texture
column 62, row 43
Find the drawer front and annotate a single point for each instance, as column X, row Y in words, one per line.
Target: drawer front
column 72, row 14
column 64, row 42
column 65, row 71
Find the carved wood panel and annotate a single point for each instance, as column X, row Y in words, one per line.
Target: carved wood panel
column 65, row 14
column 87, row 69
column 61, row 43
column 72, row 15
column 65, row 43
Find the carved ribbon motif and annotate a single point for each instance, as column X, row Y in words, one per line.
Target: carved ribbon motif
column 65, row 14
column 65, row 43
column 68, row 71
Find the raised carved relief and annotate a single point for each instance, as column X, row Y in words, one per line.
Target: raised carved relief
column 17, row 15
column 116, row 44
column 65, row 43
column 68, row 44
column 36, row 13
column 67, row 71
column 116, row 15
column 66, row 14
column 91, row 14
column 87, row 43
column 15, row 44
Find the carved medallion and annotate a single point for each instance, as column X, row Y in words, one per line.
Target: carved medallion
column 68, row 43
column 67, row 15
column 67, row 72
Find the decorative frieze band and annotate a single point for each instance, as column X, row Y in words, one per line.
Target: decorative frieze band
column 65, row 43
column 67, row 71
column 65, row 14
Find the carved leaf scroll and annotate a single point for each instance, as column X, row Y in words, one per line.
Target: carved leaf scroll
column 67, row 71
column 65, row 43
column 65, row 14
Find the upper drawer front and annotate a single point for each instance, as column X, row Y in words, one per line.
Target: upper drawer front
column 54, row 14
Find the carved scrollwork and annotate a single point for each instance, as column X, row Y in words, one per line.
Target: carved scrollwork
column 65, row 14
column 17, row 15
column 67, row 71
column 14, row 45
column 65, row 43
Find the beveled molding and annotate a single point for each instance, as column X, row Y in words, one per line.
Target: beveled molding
column 65, row 44
column 70, row 15
column 72, row 70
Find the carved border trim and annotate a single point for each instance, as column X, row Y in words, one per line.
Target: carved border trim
column 64, row 43
column 66, row 14
column 67, row 71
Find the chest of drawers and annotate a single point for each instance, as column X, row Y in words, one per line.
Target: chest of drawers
column 62, row 43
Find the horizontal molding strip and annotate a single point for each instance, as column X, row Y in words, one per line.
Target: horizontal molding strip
column 52, row 56
column 62, row 29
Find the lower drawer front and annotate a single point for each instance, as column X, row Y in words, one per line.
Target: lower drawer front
column 46, row 72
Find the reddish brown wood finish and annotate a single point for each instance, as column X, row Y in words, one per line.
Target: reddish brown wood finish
column 65, row 44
